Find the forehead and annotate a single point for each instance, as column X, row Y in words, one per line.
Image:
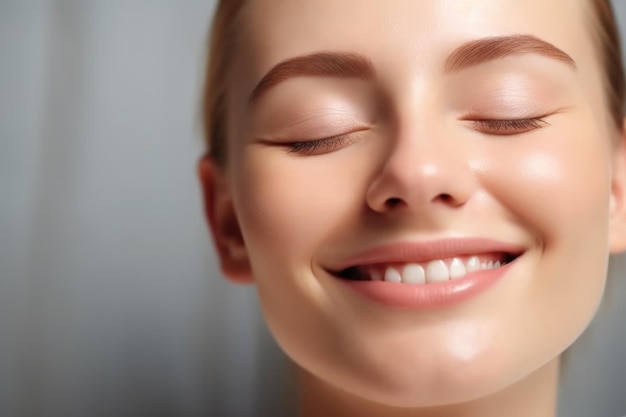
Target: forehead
column 410, row 32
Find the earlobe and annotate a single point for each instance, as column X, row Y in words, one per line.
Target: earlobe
column 617, row 240
column 222, row 219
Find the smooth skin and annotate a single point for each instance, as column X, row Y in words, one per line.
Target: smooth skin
column 419, row 165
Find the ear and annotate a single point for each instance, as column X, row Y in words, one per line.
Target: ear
column 222, row 219
column 617, row 219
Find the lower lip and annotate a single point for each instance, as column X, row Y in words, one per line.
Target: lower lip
column 428, row 296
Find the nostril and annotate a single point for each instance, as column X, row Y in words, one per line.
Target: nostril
column 445, row 198
column 393, row 202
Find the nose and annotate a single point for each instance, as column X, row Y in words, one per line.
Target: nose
column 421, row 173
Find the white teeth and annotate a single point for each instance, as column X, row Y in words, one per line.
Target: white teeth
column 473, row 264
column 432, row 272
column 457, row 269
column 413, row 274
column 437, row 271
column 391, row 275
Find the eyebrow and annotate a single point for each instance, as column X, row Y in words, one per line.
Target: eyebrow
column 355, row 66
column 488, row 49
column 321, row 64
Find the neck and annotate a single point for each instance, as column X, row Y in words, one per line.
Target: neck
column 534, row 395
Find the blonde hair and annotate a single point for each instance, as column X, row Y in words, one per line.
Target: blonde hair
column 222, row 44
column 608, row 38
column 215, row 89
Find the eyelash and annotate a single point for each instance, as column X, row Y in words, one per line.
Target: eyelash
column 320, row 146
column 501, row 127
column 504, row 127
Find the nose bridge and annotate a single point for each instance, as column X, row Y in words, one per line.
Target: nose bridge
column 425, row 164
column 421, row 154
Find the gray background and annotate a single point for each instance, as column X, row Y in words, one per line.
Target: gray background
column 110, row 300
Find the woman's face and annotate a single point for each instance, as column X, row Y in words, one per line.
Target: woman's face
column 460, row 132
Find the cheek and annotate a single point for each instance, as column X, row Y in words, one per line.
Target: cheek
column 559, row 190
column 288, row 208
column 294, row 204
column 557, row 187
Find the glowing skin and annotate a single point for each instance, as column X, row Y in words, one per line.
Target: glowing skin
column 420, row 165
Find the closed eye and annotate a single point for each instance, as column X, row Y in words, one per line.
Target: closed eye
column 499, row 127
column 504, row 127
column 321, row 146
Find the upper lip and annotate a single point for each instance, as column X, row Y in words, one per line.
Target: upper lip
column 417, row 252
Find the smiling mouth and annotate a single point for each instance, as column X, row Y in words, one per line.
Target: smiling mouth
column 428, row 272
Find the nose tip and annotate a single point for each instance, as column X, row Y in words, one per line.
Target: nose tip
column 417, row 180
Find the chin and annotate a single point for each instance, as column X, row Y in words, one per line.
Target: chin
column 407, row 380
column 430, row 386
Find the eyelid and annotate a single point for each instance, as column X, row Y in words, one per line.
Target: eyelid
column 322, row 145
column 508, row 127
